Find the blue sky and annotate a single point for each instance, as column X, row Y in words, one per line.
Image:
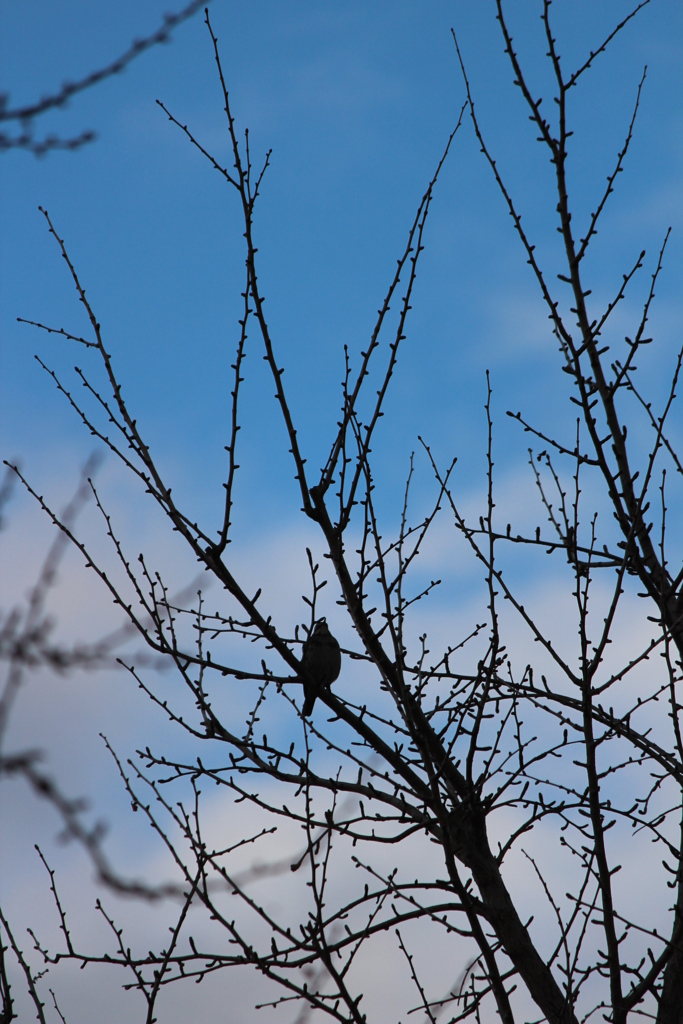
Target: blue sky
column 357, row 101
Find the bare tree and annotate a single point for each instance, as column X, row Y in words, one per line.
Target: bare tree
column 463, row 752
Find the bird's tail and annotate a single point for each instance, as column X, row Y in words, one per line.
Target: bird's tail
column 309, row 701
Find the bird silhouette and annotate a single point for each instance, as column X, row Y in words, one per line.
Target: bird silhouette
column 321, row 661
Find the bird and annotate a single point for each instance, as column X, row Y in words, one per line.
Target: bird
column 321, row 661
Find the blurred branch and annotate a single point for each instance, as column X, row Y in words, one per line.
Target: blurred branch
column 25, row 116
